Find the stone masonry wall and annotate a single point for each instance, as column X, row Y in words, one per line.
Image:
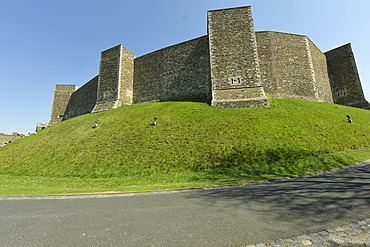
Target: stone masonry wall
column 235, row 71
column 320, row 73
column 115, row 78
column 41, row 126
column 292, row 67
column 176, row 72
column 266, row 57
column 83, row 100
column 233, row 66
column 62, row 94
column 126, row 78
column 7, row 139
column 285, row 67
column 344, row 78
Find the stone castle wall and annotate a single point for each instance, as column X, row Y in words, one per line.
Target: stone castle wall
column 320, row 73
column 292, row 67
column 62, row 94
column 235, row 71
column 176, row 72
column 83, row 100
column 8, row 139
column 344, row 78
column 233, row 66
column 126, row 77
column 115, row 78
column 41, row 126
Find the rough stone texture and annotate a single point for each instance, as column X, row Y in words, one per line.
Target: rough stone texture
column 62, row 94
column 350, row 235
column 234, row 59
column 115, row 78
column 83, row 100
column 41, row 126
column 344, row 78
column 240, row 98
column 320, row 73
column 176, row 72
column 292, row 67
column 7, row 139
column 233, row 66
column 126, row 77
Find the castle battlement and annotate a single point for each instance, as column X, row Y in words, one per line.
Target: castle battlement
column 232, row 66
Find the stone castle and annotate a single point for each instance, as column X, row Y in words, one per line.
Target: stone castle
column 232, row 66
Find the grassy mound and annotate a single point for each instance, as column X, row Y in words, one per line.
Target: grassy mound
column 192, row 144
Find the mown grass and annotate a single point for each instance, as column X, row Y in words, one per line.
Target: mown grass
column 193, row 144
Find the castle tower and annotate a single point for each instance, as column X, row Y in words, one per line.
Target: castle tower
column 115, row 83
column 344, row 78
column 235, row 71
column 62, row 94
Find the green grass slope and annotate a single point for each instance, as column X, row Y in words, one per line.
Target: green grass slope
column 193, row 144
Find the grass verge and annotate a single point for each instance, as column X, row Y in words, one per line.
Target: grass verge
column 192, row 145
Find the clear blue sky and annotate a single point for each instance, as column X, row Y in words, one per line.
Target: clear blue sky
column 48, row 42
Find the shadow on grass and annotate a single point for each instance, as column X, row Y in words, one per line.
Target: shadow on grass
column 320, row 199
column 258, row 164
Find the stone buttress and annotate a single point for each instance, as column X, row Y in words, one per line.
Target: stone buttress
column 235, row 71
column 344, row 78
column 115, row 85
column 62, row 94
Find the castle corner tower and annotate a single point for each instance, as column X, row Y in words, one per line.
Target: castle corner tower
column 235, row 70
column 115, row 83
column 62, row 94
column 344, row 78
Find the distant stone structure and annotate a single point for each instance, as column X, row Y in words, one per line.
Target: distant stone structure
column 61, row 98
column 232, row 66
column 5, row 139
column 41, row 126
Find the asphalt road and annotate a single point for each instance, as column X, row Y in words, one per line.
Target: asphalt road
column 229, row 216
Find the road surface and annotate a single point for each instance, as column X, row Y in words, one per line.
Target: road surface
column 228, row 216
